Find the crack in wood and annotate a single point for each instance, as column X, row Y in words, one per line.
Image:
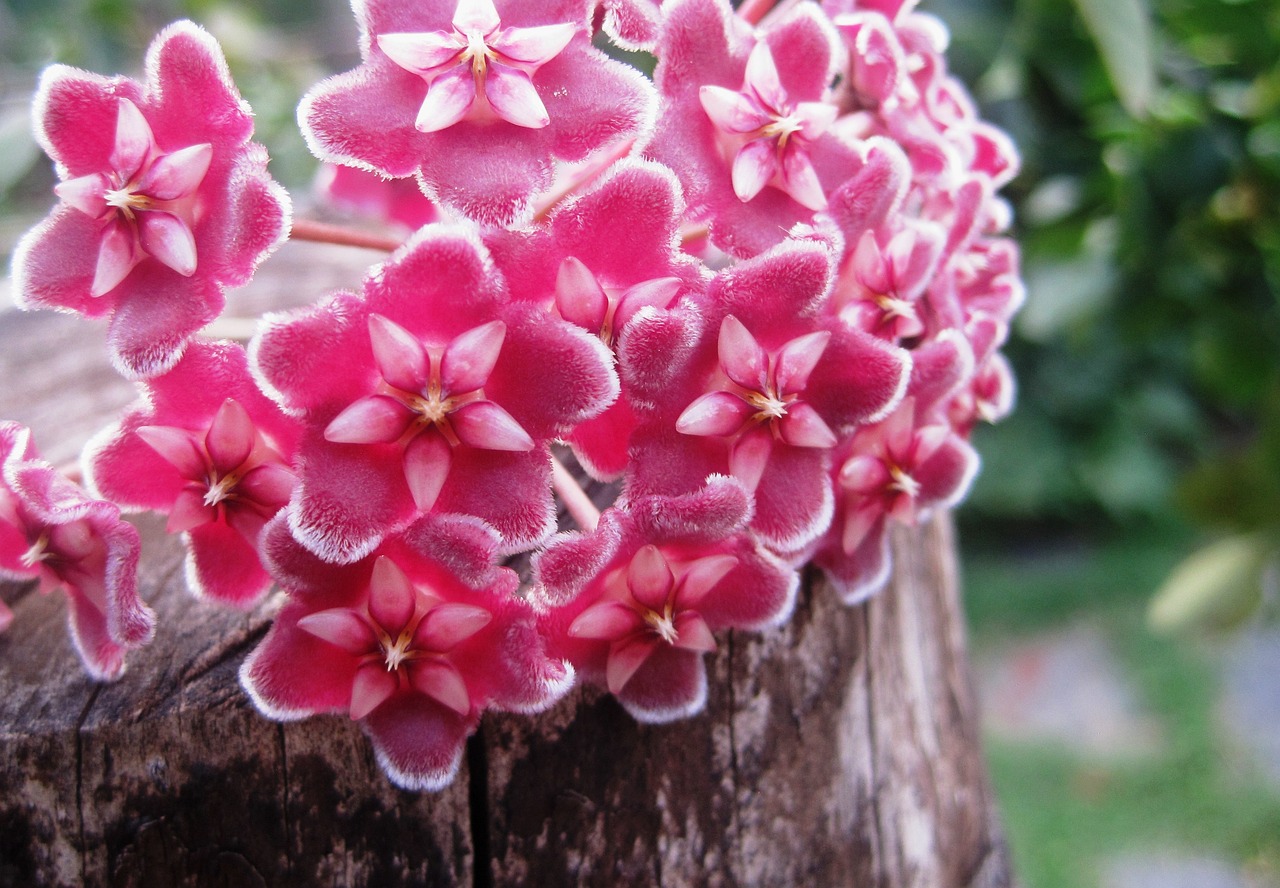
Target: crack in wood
column 478, row 804
column 81, row 843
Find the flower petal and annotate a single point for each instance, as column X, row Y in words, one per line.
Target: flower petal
column 340, row 626
column 750, row 455
column 511, row 93
column 116, row 258
column 485, row 425
column 579, row 297
column 754, row 165
column 627, row 656
column 373, row 685
column 800, row 179
column 420, row 52
column 133, row 140
column 476, row 15
column 401, row 357
column 427, row 460
column 741, row 357
column 534, row 46
column 448, row 625
column 178, row 448
column 803, row 427
column 377, row 419
column 177, row 175
column 701, row 577
column 449, row 98
column 657, row 292
column 692, row 632
column 231, row 436
column 714, row 414
column 189, row 510
column 167, row 238
column 269, row 484
column 468, row 360
column 731, row 111
column 606, row 621
column 84, row 193
column 392, row 598
column 797, row 359
column 649, row 578
column 440, row 681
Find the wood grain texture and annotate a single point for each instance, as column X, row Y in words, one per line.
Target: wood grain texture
column 841, row 749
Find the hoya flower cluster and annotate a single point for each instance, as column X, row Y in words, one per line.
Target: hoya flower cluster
column 761, row 296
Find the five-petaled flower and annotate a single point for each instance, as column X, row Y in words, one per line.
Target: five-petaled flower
column 51, row 531
column 163, row 206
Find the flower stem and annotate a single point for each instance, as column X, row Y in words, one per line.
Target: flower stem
column 579, row 177
column 325, row 233
column 754, row 10
column 575, row 499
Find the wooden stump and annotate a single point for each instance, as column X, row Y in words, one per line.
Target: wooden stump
column 841, row 749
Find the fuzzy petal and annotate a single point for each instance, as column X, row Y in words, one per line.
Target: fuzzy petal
column 427, row 460
column 469, row 359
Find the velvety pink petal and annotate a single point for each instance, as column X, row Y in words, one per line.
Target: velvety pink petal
column 800, row 179
column 133, row 140
column 671, row 684
column 806, row 51
column 796, row 360
column 658, row 293
column 874, row 192
column 75, row 114
column 510, row 491
column 741, row 357
column 442, row 682
column 449, row 98
column 190, row 65
column 418, row 741
column 487, row 173
column 224, row 566
column 467, row 546
column 632, row 24
column 469, row 358
column 749, row 456
column 306, row 358
column 595, row 103
column 579, row 297
column 427, row 461
column 476, row 15
column 101, row 655
column 602, row 444
column 571, row 560
column 649, row 578
column 270, row 484
column 401, row 357
column 256, row 220
column 342, row 627
column 794, row 500
column 945, row 476
column 150, row 329
column 859, row 380
column 293, row 674
column 861, row 573
column 176, row 446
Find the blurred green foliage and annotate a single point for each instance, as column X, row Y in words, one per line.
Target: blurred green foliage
column 1149, row 212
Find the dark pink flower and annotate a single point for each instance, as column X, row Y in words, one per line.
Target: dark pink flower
column 746, row 121
column 766, row 381
column 632, row 24
column 477, row 98
column 433, row 391
column 394, row 201
column 899, row 470
column 209, row 450
column 50, row 530
column 634, row 604
column 165, row 201
column 601, row 258
column 415, row 641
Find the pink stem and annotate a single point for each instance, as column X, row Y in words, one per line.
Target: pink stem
column 581, row 177
column 575, row 499
column 324, row 233
column 754, row 10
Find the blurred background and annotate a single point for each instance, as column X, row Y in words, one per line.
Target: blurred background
column 1120, row 549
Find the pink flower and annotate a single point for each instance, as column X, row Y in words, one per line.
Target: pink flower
column 601, row 258
column 763, row 386
column 209, row 450
column 165, row 201
column 414, row 641
column 434, row 391
column 747, row 123
column 634, row 605
column 51, row 531
column 394, row 201
column 479, row 99
column 632, row 24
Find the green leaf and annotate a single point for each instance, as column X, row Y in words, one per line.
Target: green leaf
column 1216, row 588
column 1121, row 29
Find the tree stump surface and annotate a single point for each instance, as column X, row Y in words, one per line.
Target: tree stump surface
column 839, row 750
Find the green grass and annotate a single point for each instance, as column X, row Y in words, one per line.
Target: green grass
column 1064, row 814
